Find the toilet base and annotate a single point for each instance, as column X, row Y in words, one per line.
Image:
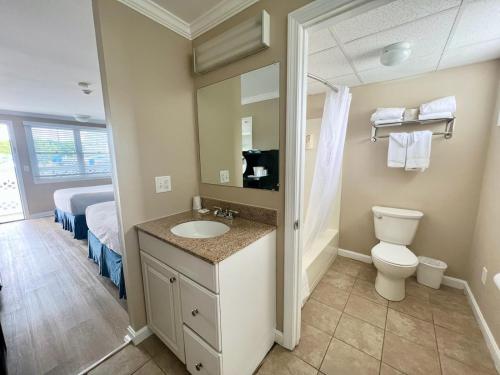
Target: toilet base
column 390, row 288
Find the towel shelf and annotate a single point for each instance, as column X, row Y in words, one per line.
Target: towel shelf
column 447, row 133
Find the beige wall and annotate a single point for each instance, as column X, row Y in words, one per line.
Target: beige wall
column 448, row 192
column 39, row 197
column 278, row 11
column 485, row 250
column 265, row 123
column 149, row 102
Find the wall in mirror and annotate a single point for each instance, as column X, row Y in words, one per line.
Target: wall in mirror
column 238, row 123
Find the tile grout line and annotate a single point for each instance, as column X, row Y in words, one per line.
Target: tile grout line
column 383, row 341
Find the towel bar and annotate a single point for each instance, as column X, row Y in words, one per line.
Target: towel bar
column 447, row 133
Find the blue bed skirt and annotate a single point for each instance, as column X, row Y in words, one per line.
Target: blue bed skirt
column 110, row 263
column 75, row 224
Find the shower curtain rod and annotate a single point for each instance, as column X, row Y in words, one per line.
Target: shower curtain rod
column 324, row 82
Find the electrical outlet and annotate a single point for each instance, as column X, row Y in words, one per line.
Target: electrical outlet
column 484, row 275
column 224, row 176
column 163, row 184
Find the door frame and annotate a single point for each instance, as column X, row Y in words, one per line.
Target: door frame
column 17, row 166
column 300, row 23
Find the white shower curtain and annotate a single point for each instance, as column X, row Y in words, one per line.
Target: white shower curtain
column 326, row 178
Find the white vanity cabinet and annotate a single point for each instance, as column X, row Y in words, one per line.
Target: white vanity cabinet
column 219, row 319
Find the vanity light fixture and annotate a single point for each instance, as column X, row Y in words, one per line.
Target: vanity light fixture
column 245, row 39
column 395, row 54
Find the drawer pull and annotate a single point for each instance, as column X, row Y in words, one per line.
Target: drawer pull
column 172, row 280
column 198, row 366
column 194, row 312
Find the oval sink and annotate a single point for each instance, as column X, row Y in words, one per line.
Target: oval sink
column 200, row 229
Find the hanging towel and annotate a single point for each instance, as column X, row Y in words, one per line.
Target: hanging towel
column 388, row 114
column 418, row 151
column 432, row 116
column 446, row 104
column 396, row 154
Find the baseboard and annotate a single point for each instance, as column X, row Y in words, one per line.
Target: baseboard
column 483, row 325
column 138, row 336
column 355, row 255
column 39, row 215
column 278, row 337
column 453, row 282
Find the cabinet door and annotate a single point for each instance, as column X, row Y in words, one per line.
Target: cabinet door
column 163, row 304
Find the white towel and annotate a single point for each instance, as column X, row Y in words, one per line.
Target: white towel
column 446, row 104
column 418, row 151
column 396, row 154
column 382, row 123
column 432, row 116
column 387, row 114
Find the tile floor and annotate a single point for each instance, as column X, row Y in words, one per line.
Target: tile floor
column 347, row 328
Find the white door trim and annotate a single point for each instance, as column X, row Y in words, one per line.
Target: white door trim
column 17, row 167
column 300, row 22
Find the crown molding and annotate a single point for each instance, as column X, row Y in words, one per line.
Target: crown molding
column 158, row 14
column 218, row 14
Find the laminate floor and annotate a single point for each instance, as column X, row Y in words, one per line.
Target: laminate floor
column 58, row 315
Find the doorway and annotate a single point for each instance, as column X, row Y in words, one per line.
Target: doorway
column 11, row 201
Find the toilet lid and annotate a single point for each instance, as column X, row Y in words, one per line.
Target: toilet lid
column 395, row 254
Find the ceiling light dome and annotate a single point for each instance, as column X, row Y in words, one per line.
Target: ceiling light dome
column 395, row 54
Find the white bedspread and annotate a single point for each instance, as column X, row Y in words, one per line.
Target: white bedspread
column 102, row 221
column 76, row 200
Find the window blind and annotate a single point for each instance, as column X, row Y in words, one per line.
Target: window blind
column 67, row 152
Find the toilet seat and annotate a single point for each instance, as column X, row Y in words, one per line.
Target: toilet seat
column 397, row 255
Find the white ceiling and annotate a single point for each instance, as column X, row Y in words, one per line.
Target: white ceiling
column 442, row 34
column 46, row 48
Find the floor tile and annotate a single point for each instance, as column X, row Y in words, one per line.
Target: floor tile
column 410, row 328
column 150, row 368
column 456, row 321
column 469, row 350
column 153, row 345
column 344, row 359
column 346, row 266
column 453, row 367
column 125, row 362
column 361, row 335
column 451, row 302
column 413, row 306
column 312, row 346
column 366, row 310
column 169, row 363
column 339, row 280
column 282, row 362
column 408, row 357
column 367, row 289
column 385, row 369
column 413, row 288
column 367, row 272
column 320, row 316
column 329, row 295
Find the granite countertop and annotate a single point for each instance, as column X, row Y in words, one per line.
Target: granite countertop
column 242, row 233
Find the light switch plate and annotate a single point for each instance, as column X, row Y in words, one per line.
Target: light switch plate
column 484, row 275
column 224, row 176
column 163, row 184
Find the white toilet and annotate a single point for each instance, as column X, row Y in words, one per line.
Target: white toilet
column 395, row 228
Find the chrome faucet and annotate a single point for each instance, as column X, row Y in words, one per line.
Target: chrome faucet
column 225, row 213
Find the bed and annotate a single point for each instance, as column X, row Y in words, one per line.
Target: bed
column 104, row 242
column 71, row 204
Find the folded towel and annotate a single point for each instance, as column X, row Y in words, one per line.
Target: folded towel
column 382, row 123
column 432, row 116
column 396, row 154
column 387, row 114
column 446, row 104
column 418, row 151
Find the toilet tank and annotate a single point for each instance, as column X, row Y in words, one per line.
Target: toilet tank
column 396, row 225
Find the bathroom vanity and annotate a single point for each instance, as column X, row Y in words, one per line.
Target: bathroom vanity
column 211, row 300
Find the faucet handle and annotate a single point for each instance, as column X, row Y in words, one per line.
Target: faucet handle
column 232, row 213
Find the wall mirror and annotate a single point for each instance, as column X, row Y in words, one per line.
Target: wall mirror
column 238, row 124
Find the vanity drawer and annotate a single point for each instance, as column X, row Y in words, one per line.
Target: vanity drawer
column 200, row 311
column 193, row 267
column 200, row 357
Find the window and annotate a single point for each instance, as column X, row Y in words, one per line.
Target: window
column 67, row 152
